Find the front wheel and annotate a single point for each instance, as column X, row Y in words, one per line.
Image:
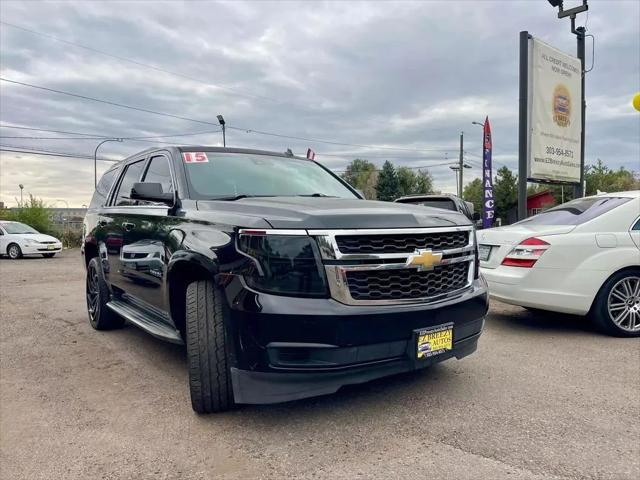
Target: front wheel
column 616, row 310
column 208, row 348
column 14, row 251
column 97, row 292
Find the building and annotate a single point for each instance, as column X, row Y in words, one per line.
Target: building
column 539, row 202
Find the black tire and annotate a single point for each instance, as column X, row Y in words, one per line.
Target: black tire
column 14, row 251
column 600, row 311
column 48, row 255
column 208, row 349
column 97, row 293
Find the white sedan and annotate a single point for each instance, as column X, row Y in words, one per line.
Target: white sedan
column 18, row 239
column 582, row 257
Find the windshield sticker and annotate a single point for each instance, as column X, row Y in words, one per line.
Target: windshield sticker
column 195, row 157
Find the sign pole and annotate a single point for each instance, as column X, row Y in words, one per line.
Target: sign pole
column 578, row 190
column 523, row 125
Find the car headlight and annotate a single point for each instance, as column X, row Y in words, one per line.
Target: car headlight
column 30, row 242
column 282, row 264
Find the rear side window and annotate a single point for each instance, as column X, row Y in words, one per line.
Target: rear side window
column 131, row 175
column 444, row 203
column 102, row 190
column 159, row 172
column 636, row 226
column 576, row 212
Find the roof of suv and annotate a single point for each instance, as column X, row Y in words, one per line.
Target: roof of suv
column 204, row 148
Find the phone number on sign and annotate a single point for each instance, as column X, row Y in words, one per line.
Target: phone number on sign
column 561, row 152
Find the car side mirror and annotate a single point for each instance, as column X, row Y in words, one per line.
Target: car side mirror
column 151, row 192
column 476, row 216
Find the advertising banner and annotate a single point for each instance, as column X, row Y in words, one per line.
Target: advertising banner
column 488, row 205
column 555, row 114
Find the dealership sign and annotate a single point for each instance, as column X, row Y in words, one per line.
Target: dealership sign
column 554, row 114
column 488, row 207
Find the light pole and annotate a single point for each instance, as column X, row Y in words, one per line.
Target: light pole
column 21, row 187
column 95, row 158
column 580, row 33
column 224, row 136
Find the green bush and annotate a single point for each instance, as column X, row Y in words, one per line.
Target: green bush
column 34, row 213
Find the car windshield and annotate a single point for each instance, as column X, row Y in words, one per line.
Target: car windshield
column 231, row 175
column 18, row 228
column 576, row 211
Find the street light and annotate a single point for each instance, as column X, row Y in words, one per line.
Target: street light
column 95, row 158
column 224, row 136
column 21, row 187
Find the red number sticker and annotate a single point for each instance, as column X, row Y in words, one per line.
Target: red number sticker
column 195, row 157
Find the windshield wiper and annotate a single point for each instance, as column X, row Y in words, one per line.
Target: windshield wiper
column 232, row 198
column 316, row 195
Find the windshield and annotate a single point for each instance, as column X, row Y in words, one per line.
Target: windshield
column 576, row 211
column 228, row 175
column 18, row 228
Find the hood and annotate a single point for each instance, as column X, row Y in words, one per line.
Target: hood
column 38, row 237
column 514, row 234
column 327, row 213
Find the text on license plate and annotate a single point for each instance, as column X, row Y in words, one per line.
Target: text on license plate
column 484, row 251
column 435, row 340
column 51, row 247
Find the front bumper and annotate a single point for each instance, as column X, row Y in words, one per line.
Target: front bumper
column 38, row 249
column 291, row 348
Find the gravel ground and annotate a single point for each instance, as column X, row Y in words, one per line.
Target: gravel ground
column 545, row 397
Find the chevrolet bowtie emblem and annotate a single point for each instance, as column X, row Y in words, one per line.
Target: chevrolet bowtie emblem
column 424, row 260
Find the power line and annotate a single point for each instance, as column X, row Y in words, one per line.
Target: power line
column 47, row 153
column 422, row 167
column 141, row 64
column 108, row 102
column 315, row 140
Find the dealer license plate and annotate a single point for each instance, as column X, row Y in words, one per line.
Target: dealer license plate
column 434, row 341
column 51, row 247
column 484, row 251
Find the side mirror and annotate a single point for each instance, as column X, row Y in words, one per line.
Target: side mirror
column 476, row 216
column 151, row 192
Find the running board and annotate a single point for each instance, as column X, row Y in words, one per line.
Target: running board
column 147, row 323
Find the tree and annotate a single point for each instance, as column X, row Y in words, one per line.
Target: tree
column 424, row 182
column 34, row 213
column 388, row 188
column 474, row 193
column 361, row 174
column 505, row 192
column 600, row 177
column 406, row 181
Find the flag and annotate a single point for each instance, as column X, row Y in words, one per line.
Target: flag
column 488, row 204
column 311, row 155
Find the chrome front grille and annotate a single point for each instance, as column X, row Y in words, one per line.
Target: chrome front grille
column 401, row 243
column 406, row 283
column 370, row 267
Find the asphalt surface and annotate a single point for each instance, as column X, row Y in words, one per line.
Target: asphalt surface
column 544, row 397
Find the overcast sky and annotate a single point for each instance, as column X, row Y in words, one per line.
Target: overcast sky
column 407, row 75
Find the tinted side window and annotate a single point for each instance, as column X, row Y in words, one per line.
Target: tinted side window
column 636, row 226
column 131, row 176
column 102, row 190
column 159, row 172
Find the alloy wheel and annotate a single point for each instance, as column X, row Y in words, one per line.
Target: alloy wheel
column 623, row 304
column 93, row 291
column 14, row 252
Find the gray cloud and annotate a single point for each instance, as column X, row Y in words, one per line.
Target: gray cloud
column 408, row 75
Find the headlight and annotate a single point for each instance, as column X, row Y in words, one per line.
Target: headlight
column 30, row 241
column 283, row 264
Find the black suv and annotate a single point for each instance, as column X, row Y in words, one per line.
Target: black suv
column 280, row 279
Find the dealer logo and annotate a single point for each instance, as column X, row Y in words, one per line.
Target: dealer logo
column 561, row 106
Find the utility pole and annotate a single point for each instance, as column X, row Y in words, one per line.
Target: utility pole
column 461, row 165
column 224, row 130
column 21, row 188
column 95, row 158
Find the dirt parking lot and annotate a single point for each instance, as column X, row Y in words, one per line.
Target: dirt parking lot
column 544, row 397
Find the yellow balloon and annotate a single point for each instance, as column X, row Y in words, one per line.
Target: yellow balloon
column 636, row 101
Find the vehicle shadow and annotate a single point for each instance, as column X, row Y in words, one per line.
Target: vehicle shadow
column 518, row 318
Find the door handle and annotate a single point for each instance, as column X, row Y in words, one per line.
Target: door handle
column 128, row 226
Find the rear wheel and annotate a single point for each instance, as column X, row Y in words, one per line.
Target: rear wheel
column 14, row 251
column 208, row 349
column 48, row 255
column 97, row 292
column 616, row 310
